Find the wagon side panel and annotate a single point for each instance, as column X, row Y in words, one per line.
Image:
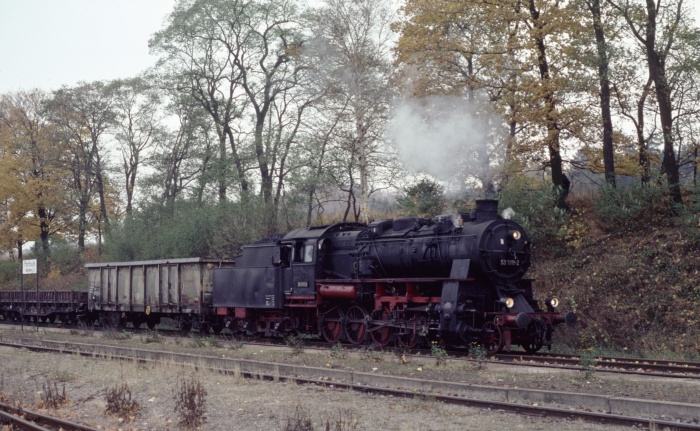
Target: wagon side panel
column 152, row 288
column 137, row 290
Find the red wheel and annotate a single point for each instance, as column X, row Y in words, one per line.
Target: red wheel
column 381, row 333
column 356, row 324
column 332, row 325
column 493, row 338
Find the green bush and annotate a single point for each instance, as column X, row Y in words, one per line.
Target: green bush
column 631, row 207
column 534, row 205
column 189, row 229
column 423, row 199
column 9, row 273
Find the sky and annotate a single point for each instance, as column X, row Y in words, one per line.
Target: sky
column 49, row 43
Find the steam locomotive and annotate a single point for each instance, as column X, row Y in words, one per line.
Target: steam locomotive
column 457, row 280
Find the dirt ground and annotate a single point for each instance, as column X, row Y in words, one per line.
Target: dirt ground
column 242, row 404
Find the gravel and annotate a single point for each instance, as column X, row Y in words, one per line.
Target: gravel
column 237, row 403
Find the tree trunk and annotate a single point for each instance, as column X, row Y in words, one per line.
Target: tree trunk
column 603, row 71
column 657, row 72
column 553, row 128
column 642, row 144
column 44, row 225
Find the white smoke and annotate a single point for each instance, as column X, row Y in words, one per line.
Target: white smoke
column 440, row 136
column 508, row 213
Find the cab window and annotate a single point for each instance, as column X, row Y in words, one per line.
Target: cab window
column 303, row 253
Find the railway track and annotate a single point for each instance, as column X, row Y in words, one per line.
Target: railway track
column 398, row 387
column 601, row 364
column 617, row 365
column 22, row 419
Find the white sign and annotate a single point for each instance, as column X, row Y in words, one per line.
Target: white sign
column 29, row 266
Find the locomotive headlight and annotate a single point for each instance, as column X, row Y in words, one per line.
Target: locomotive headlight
column 516, row 234
column 508, row 302
column 551, row 302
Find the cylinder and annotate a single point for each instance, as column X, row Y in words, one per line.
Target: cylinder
column 338, row 291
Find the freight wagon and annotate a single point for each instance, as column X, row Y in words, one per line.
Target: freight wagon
column 45, row 305
column 147, row 291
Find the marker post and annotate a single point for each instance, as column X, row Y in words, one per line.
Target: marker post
column 29, row 266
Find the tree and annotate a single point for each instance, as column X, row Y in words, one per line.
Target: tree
column 350, row 59
column 655, row 26
column 82, row 114
column 603, row 66
column 137, row 127
column 33, row 184
column 423, row 199
column 516, row 52
column 447, row 73
column 239, row 60
column 197, row 48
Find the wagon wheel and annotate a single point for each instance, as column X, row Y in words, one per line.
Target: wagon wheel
column 151, row 323
column 52, row 319
column 332, row 324
column 408, row 340
column 217, row 328
column 535, row 335
column 356, row 324
column 381, row 333
column 493, row 338
column 408, row 337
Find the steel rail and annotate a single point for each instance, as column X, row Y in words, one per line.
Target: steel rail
column 544, row 411
column 34, row 419
column 17, row 422
column 601, row 364
column 533, row 410
column 646, row 367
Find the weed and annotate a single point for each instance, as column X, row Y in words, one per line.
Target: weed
column 51, row 397
column 422, row 402
column 588, row 363
column 120, row 403
column 439, row 354
column 113, row 334
column 371, row 355
column 235, row 344
column 299, row 421
column 85, row 328
column 337, row 351
column 214, row 342
column 342, row 423
column 190, row 402
column 154, row 337
column 197, row 342
column 478, row 354
column 296, row 342
column 401, row 356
